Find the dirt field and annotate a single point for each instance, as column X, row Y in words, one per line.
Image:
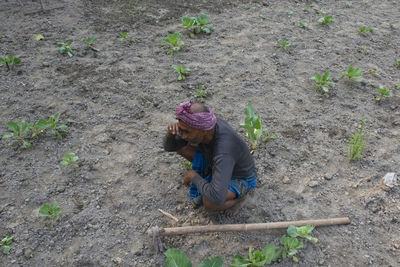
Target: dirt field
column 117, row 103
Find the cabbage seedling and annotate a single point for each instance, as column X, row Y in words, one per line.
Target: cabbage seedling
column 66, row 47
column 10, row 61
column 302, row 25
column 398, row 63
column 174, row 41
column 365, row 30
column 196, row 25
column 5, row 243
column 89, row 43
column 270, row 254
column 326, row 20
column 357, row 145
column 322, row 83
column 69, row 159
column 290, row 244
column 56, row 130
column 353, row 74
column 283, row 45
column 21, row 130
column 303, row 231
column 50, row 210
column 123, row 37
column 200, row 93
column 182, row 72
column 177, row 258
column 384, row 92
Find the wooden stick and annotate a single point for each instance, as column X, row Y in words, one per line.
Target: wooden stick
column 249, row 227
column 168, row 215
column 110, row 197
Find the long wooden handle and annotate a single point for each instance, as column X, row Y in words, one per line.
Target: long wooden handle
column 250, row 227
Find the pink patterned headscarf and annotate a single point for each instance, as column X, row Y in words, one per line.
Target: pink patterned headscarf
column 202, row 120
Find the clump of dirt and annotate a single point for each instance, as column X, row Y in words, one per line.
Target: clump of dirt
column 117, row 103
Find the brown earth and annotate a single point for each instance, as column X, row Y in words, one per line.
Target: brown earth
column 117, row 103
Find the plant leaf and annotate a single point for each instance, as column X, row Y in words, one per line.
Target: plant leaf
column 6, row 249
column 13, row 126
column 240, row 261
column 214, row 262
column 39, row 37
column 272, row 253
column 176, row 258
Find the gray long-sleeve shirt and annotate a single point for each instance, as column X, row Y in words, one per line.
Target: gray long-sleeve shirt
column 228, row 156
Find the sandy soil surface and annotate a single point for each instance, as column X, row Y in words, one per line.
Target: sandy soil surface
column 117, row 103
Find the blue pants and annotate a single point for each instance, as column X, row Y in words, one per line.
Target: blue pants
column 238, row 185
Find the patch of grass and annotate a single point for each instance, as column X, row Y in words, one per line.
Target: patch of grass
column 357, row 144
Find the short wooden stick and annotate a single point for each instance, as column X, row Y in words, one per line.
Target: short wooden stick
column 250, row 227
column 168, row 215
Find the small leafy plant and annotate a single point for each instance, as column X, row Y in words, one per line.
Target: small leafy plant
column 384, row 92
column 187, row 164
column 177, row 258
column 5, row 243
column 39, row 37
column 326, row 20
column 200, row 93
column 322, row 82
column 302, row 25
column 56, row 130
column 270, row 254
column 10, row 61
column 90, row 43
column 254, row 127
column 50, row 210
column 357, row 145
column 174, row 41
column 398, row 63
column 303, row 231
column 290, row 244
column 124, row 36
column 70, row 159
column 348, row 4
column 20, row 132
column 283, row 45
column 182, row 72
column 353, row 74
column 66, row 48
column 365, row 30
column 364, row 50
column 196, row 25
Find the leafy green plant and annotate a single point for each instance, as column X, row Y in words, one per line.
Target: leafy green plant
column 357, row 144
column 200, row 92
column 124, row 36
column 364, row 50
column 5, row 243
column 182, row 72
column 50, row 210
column 177, row 258
column 174, row 41
column 348, row 4
column 39, row 127
column 263, row 16
column 66, row 48
column 398, row 63
column 353, row 74
column 39, row 37
column 391, row 25
column 56, row 130
column 322, row 82
column 270, row 254
column 364, row 30
column 90, row 43
column 384, row 92
column 302, row 25
column 397, row 87
column 283, row 45
column 70, row 159
column 196, row 25
column 303, row 231
column 326, row 20
column 187, row 164
column 20, row 132
column 290, row 244
column 254, row 127
column 10, row 61
column 320, row 11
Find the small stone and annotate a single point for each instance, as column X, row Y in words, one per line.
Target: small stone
column 286, row 180
column 328, row 176
column 60, row 189
column 313, row 183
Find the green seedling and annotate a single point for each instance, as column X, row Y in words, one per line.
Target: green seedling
column 177, row 258
column 39, row 127
column 200, row 93
column 290, row 244
column 353, row 74
column 364, row 50
column 303, row 231
column 357, row 144
column 66, row 48
column 283, row 45
column 21, row 131
column 306, row 8
column 322, row 82
column 263, row 16
column 384, row 92
column 124, row 36
column 39, row 37
column 270, row 254
column 348, row 4
column 90, row 43
column 319, row 11
column 187, row 164
column 69, row 159
column 174, row 41
column 50, row 210
column 374, row 72
column 196, row 25
column 398, row 63
column 254, row 127
column 182, row 72
column 302, row 25
column 10, row 61
column 397, row 87
column 5, row 243
column 326, row 20
column 391, row 25
column 365, row 30
column 56, row 130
